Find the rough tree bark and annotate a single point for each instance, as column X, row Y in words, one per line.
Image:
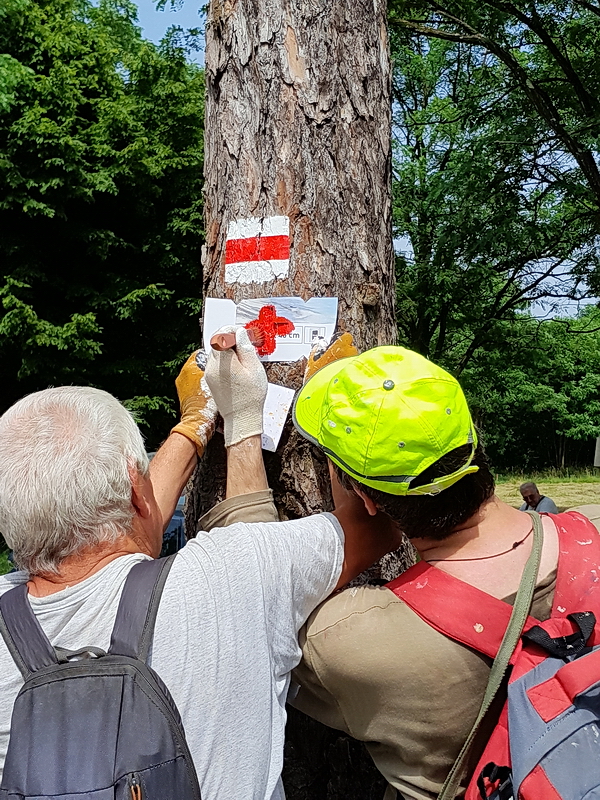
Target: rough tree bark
column 298, row 125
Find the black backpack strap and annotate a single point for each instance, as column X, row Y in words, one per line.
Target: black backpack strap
column 26, row 641
column 565, row 646
column 138, row 607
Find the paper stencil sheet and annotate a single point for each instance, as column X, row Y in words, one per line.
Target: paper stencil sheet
column 311, row 319
column 277, row 405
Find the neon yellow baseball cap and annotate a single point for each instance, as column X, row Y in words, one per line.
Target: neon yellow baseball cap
column 386, row 416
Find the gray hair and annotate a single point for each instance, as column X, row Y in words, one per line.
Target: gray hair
column 528, row 485
column 65, row 484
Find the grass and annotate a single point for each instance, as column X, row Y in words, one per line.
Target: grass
column 551, row 476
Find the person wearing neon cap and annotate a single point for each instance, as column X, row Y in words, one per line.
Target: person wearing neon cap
column 398, row 431
column 400, row 439
column 385, row 417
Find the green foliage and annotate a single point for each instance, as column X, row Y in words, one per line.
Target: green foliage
column 545, row 58
column 552, row 475
column 5, row 565
column 101, row 154
column 483, row 231
column 496, row 208
column 537, row 397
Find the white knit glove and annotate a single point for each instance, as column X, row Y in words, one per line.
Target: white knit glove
column 238, row 384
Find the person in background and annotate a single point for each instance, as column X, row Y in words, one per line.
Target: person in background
column 534, row 501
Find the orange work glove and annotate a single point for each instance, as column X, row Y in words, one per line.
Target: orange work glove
column 198, row 409
column 321, row 355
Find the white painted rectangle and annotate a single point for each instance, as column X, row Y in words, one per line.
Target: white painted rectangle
column 257, row 271
column 257, row 250
column 255, row 226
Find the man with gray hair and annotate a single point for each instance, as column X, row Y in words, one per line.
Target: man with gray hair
column 80, row 506
column 534, row 501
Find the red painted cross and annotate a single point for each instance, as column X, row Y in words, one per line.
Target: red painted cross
column 267, row 327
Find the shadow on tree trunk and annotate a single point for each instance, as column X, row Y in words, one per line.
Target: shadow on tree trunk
column 324, row 764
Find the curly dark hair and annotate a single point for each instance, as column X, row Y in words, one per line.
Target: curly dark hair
column 434, row 516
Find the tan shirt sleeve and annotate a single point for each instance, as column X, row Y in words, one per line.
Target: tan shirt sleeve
column 253, row 507
column 312, row 697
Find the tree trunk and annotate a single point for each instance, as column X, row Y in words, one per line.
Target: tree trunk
column 298, row 126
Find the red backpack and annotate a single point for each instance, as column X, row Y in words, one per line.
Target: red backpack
column 546, row 743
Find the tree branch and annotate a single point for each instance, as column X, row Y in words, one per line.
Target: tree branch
column 589, row 6
column 589, row 103
column 538, row 96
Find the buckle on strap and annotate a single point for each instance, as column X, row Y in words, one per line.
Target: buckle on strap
column 565, row 646
column 502, row 776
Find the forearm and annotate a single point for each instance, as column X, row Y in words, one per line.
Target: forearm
column 245, row 467
column 248, row 497
column 170, row 470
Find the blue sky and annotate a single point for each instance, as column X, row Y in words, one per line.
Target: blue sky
column 154, row 23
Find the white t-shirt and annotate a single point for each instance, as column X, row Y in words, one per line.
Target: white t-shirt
column 225, row 640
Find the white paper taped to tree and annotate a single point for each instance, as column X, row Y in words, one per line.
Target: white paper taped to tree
column 289, row 326
column 277, row 405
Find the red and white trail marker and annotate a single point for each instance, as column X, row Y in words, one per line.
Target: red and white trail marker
column 257, row 250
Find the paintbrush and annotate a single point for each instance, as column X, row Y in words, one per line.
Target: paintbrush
column 226, row 341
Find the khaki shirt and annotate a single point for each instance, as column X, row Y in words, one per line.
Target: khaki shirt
column 253, row 507
column 374, row 669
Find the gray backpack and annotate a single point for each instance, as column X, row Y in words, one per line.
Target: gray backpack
column 90, row 725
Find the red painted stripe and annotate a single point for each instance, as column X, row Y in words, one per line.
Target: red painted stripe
column 537, row 785
column 257, row 248
column 556, row 695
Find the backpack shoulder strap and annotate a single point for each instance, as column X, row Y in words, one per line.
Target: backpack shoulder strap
column 510, row 641
column 578, row 574
column 22, row 633
column 455, row 608
column 138, row 607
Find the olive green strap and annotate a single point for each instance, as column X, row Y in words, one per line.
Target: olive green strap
column 507, row 647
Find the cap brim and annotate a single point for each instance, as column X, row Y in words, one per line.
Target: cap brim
column 307, row 410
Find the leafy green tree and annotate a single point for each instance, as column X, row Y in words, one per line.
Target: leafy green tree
column 483, row 229
column 546, row 54
column 536, row 396
column 493, row 213
column 101, row 148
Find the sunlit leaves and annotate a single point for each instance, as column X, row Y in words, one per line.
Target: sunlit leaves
column 101, row 137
